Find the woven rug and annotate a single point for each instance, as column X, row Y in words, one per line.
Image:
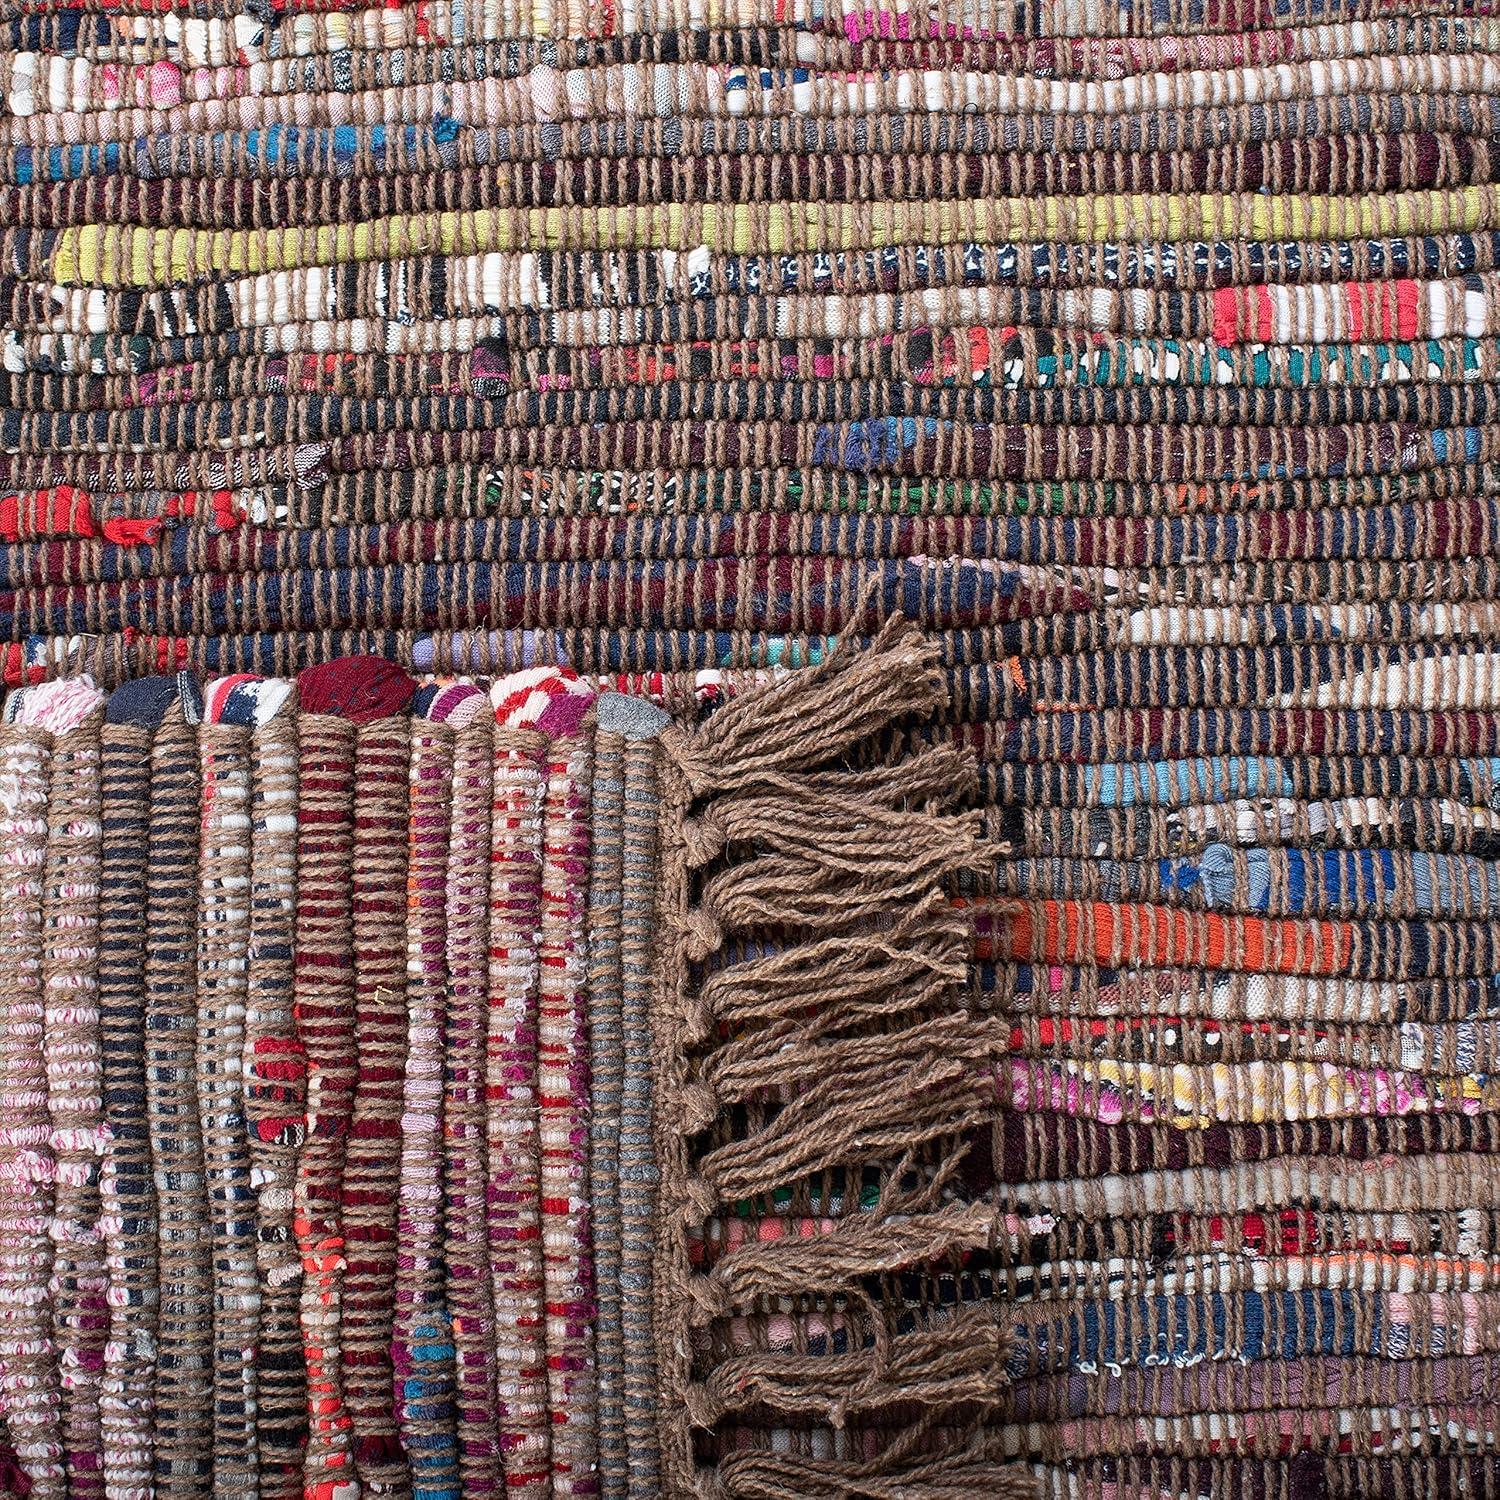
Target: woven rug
column 750, row 749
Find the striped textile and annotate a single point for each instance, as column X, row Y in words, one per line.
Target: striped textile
column 750, row 750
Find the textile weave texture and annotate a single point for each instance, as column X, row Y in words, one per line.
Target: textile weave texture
column 751, row 749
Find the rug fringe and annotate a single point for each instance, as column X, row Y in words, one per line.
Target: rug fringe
column 810, row 1019
column 804, row 721
column 849, row 1252
column 900, row 965
column 908, row 1468
column 950, row 1363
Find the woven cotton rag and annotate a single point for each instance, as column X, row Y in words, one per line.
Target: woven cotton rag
column 750, row 749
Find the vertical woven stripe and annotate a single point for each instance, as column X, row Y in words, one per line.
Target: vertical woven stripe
column 184, row 1404
column 127, row 1192
column 275, row 1086
column 606, row 1069
column 28, row 1355
column 372, row 1166
column 562, row 1117
column 423, row 1349
column 324, row 1000
column 75, row 1091
column 515, row 1171
column 224, row 863
column 471, row 1274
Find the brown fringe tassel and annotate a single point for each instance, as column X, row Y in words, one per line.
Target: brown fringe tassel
column 970, row 1467
column 810, row 1018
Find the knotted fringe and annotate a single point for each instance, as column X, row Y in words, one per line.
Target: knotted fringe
column 915, row 1467
column 855, row 1249
column 809, row 1019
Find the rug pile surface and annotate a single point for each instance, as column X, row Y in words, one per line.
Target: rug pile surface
column 751, row 748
